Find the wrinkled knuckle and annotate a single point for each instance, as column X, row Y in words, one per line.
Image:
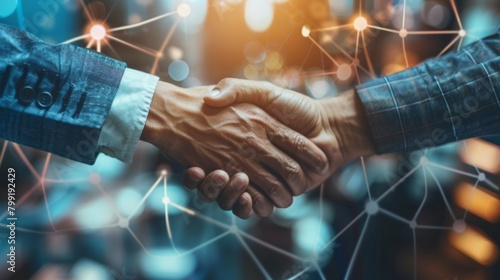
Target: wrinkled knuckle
column 299, row 142
column 292, row 170
column 259, row 201
column 268, row 87
column 227, row 82
column 273, row 189
column 254, row 113
column 251, row 139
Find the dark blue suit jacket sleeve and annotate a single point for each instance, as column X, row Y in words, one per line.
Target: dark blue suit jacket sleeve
column 450, row 98
column 54, row 98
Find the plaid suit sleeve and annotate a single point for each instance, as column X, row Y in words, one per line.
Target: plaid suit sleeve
column 442, row 100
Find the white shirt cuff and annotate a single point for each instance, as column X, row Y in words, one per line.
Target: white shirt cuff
column 127, row 117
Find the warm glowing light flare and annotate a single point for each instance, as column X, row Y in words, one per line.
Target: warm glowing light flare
column 475, row 245
column 360, row 23
column 306, row 31
column 478, row 202
column 482, row 154
column 98, row 32
column 184, row 10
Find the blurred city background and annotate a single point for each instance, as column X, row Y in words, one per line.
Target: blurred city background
column 439, row 216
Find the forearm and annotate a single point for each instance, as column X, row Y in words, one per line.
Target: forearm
column 161, row 117
column 347, row 121
column 54, row 98
column 442, row 100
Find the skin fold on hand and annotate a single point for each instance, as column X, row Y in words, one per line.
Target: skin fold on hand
column 336, row 125
column 234, row 139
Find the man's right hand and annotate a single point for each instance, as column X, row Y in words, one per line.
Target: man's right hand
column 240, row 138
column 336, row 125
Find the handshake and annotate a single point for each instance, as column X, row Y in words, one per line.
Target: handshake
column 252, row 146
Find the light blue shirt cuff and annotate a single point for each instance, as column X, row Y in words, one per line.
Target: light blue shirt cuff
column 127, row 117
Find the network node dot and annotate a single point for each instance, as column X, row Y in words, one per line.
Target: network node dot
column 164, row 172
column 459, row 226
column 413, row 224
column 481, row 177
column 123, row 223
column 306, row 31
column 424, row 160
column 184, row 10
column 233, row 229
column 462, row 33
column 371, row 207
column 344, row 72
column 159, row 55
column 403, row 33
column 166, row 200
column 360, row 23
column 94, row 178
column 97, row 32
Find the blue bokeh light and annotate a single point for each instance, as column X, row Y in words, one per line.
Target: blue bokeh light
column 94, row 213
column 127, row 200
column 305, row 231
column 163, row 262
column 178, row 70
column 7, row 8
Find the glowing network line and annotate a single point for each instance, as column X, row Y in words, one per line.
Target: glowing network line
column 99, row 33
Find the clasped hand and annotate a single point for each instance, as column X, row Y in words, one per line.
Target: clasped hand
column 267, row 160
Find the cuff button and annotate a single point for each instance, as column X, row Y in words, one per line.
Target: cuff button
column 26, row 95
column 44, row 99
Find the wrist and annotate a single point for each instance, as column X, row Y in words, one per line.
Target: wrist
column 347, row 121
column 156, row 120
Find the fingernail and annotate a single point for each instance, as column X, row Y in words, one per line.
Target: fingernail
column 238, row 182
column 214, row 93
column 195, row 177
column 219, row 180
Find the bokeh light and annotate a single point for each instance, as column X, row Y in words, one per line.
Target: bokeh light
column 94, row 213
column 126, row 201
column 344, row 72
column 178, row 70
column 184, row 10
column 168, row 263
column 7, row 8
column 175, row 53
column 305, row 228
column 259, row 14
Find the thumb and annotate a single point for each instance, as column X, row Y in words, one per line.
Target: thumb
column 220, row 98
column 229, row 91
